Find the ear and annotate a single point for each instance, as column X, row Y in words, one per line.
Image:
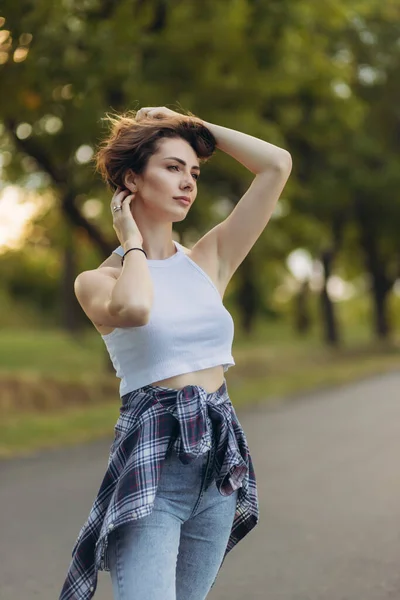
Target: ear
column 130, row 180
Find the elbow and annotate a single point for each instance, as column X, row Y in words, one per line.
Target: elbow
column 280, row 164
column 143, row 316
column 132, row 316
column 139, row 316
column 284, row 162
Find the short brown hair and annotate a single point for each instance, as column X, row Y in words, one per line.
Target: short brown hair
column 131, row 143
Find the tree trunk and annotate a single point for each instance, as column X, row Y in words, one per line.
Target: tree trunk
column 329, row 321
column 381, row 282
column 70, row 309
column 381, row 316
column 301, row 310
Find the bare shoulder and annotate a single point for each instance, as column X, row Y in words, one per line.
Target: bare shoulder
column 88, row 281
column 107, row 271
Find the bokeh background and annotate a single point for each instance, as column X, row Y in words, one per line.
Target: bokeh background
column 316, row 302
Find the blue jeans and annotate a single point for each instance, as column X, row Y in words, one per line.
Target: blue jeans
column 175, row 552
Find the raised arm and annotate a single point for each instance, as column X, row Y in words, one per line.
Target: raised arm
column 233, row 238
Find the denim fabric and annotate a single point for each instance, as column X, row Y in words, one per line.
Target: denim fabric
column 153, row 420
column 175, row 552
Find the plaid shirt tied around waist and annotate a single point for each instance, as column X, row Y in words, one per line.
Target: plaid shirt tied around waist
column 152, row 419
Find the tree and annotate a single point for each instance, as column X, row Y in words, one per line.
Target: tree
column 373, row 152
column 277, row 70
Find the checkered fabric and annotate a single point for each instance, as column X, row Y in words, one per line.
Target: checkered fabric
column 152, row 419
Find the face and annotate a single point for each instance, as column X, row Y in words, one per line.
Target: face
column 171, row 172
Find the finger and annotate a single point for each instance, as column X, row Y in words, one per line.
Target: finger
column 116, row 208
column 121, row 204
column 115, row 194
column 118, row 196
column 127, row 201
column 144, row 112
column 117, row 202
column 122, row 195
column 115, row 212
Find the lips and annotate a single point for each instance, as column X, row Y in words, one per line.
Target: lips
column 184, row 199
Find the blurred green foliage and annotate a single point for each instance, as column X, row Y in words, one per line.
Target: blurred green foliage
column 320, row 79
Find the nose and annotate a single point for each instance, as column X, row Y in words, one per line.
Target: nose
column 187, row 182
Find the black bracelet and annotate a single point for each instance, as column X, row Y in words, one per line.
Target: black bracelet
column 141, row 250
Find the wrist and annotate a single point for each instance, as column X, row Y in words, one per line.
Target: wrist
column 207, row 124
column 131, row 251
column 132, row 243
column 212, row 129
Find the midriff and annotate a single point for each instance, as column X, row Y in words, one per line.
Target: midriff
column 209, row 379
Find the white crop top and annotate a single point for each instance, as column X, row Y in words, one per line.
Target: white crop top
column 189, row 328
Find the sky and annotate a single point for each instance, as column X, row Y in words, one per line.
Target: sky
column 17, row 208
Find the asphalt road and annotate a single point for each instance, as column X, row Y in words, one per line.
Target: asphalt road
column 328, row 474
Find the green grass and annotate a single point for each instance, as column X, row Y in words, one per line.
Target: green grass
column 273, row 364
column 51, row 352
column 26, row 433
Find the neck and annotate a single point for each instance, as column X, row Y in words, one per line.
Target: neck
column 157, row 235
column 155, row 251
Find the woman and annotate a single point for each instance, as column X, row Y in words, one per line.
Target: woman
column 180, row 488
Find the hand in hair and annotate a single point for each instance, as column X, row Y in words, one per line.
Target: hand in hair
column 158, row 112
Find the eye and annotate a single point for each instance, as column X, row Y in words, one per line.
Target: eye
column 176, row 167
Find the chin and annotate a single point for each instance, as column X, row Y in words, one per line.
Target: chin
column 178, row 215
column 178, row 219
